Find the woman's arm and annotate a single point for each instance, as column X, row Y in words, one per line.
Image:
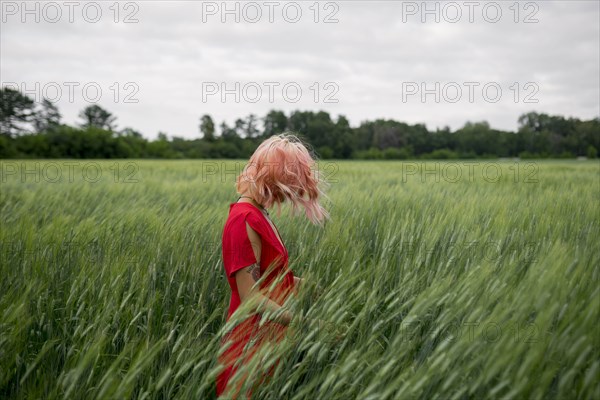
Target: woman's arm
column 246, row 279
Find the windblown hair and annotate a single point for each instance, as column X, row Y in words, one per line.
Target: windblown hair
column 281, row 169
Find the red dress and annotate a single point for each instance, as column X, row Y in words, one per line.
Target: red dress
column 238, row 254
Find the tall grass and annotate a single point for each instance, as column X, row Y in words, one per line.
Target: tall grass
column 485, row 286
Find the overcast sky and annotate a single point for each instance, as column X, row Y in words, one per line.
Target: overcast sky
column 364, row 60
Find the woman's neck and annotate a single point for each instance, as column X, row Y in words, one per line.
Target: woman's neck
column 244, row 198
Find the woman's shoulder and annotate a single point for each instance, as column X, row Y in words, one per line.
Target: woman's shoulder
column 239, row 212
column 243, row 209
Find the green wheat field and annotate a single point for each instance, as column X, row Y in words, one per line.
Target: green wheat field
column 439, row 280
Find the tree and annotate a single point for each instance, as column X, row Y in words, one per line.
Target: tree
column 533, row 122
column 129, row 132
column 16, row 110
column 162, row 137
column 96, row 116
column 207, row 128
column 478, row 138
column 239, row 127
column 274, row 122
column 46, row 117
column 539, row 135
column 315, row 127
column 386, row 136
column 343, row 139
column 228, row 133
column 250, row 130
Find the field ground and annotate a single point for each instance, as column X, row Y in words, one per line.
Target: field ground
column 459, row 279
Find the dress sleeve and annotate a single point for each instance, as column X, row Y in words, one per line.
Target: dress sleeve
column 237, row 249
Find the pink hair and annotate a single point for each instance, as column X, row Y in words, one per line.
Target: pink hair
column 279, row 170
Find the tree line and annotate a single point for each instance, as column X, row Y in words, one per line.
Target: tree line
column 34, row 130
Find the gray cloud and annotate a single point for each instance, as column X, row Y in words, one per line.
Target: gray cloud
column 369, row 54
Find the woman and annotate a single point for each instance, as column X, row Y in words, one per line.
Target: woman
column 254, row 255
